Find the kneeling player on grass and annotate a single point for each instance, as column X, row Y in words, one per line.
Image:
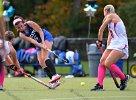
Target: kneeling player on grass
column 117, row 47
column 6, row 49
column 4, row 54
column 43, row 40
column 11, row 58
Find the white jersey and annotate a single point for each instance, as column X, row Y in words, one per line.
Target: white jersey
column 119, row 39
column 6, row 44
column 6, row 50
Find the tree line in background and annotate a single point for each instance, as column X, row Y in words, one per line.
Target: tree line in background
column 67, row 18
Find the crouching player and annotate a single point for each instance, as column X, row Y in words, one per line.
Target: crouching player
column 6, row 49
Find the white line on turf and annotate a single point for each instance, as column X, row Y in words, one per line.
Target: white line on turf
column 100, row 97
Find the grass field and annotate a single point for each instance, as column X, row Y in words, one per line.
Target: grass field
column 70, row 89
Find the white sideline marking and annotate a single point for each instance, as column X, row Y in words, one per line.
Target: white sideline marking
column 101, row 97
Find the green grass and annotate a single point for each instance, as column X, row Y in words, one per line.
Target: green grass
column 70, row 89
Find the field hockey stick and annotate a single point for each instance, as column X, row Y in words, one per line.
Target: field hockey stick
column 112, row 74
column 65, row 60
column 36, row 79
column 14, row 68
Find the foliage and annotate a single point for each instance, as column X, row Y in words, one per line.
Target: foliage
column 52, row 15
column 99, row 14
column 64, row 17
column 77, row 22
column 128, row 15
column 71, row 20
column 23, row 7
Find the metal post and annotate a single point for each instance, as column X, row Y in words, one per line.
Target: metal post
column 7, row 19
column 89, row 26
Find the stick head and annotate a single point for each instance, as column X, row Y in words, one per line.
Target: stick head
column 66, row 60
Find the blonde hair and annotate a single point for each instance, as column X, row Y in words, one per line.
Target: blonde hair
column 110, row 8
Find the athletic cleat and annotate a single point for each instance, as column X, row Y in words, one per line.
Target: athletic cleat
column 1, row 87
column 55, row 78
column 123, row 83
column 9, row 75
column 54, row 85
column 97, row 88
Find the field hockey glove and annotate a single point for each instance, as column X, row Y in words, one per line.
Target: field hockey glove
column 99, row 43
column 13, row 67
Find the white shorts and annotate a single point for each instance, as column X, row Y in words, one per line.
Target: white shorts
column 122, row 47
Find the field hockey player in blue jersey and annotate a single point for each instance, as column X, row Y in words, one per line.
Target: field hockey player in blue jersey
column 43, row 40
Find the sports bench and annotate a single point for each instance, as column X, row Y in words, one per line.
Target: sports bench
column 35, row 66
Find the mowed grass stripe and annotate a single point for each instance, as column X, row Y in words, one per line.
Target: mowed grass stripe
column 28, row 89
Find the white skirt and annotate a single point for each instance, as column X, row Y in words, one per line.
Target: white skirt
column 122, row 47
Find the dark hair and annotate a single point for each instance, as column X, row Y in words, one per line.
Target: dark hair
column 16, row 17
column 9, row 35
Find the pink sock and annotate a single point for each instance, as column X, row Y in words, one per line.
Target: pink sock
column 101, row 74
column 115, row 69
column 2, row 75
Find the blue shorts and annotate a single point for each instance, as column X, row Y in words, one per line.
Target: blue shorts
column 47, row 36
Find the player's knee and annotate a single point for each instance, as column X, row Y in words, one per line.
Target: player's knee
column 107, row 63
column 102, row 61
column 41, row 62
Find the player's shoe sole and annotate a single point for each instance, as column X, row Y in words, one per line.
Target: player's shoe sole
column 54, row 85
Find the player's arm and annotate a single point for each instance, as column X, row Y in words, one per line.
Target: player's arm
column 109, row 39
column 22, row 36
column 8, row 59
column 2, row 24
column 103, row 26
column 10, row 63
column 14, row 58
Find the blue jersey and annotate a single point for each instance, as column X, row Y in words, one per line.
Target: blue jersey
column 35, row 35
